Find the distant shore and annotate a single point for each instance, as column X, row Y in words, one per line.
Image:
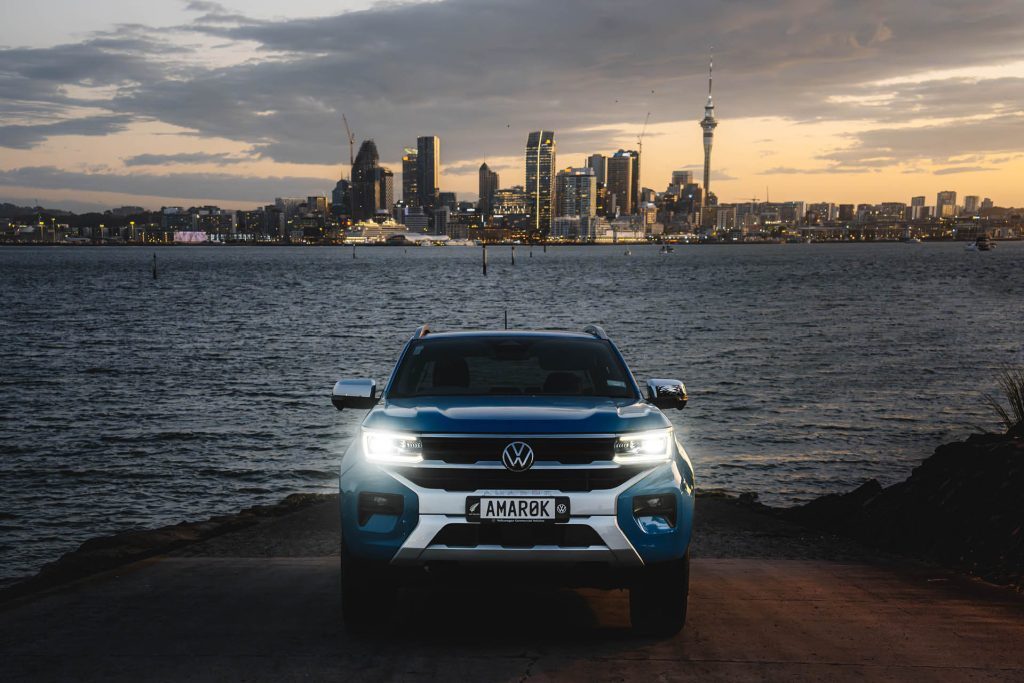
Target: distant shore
column 349, row 245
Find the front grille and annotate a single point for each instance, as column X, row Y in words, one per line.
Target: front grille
column 469, row 479
column 469, row 450
column 517, row 535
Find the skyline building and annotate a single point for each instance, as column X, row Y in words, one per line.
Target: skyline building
column 620, row 185
column 341, row 198
column 918, row 210
column 487, row 185
column 972, row 203
column 598, row 163
column 540, row 165
column 577, row 192
column 708, row 124
column 428, row 170
column 372, row 185
column 512, row 201
column 682, row 178
column 945, row 204
column 410, row 194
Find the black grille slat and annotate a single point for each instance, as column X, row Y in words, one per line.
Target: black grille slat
column 469, row 450
column 569, row 480
column 517, row 535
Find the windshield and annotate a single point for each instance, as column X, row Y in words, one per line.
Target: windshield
column 511, row 366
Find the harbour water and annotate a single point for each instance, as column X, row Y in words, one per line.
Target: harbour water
column 132, row 402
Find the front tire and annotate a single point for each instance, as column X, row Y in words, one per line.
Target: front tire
column 367, row 597
column 658, row 600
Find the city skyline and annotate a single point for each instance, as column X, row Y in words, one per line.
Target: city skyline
column 852, row 107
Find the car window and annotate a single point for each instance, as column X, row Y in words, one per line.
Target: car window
column 511, row 366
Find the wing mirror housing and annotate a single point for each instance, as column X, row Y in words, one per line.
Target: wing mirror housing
column 667, row 393
column 360, row 394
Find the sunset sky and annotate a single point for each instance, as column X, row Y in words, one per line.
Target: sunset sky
column 119, row 102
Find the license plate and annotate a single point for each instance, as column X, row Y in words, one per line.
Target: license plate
column 517, row 509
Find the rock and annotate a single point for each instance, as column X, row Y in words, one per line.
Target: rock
column 963, row 507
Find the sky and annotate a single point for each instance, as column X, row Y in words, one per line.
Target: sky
column 233, row 103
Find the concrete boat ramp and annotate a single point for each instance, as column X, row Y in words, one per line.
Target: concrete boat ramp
column 767, row 601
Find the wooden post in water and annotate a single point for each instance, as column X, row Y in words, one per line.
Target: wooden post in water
column 485, row 260
column 513, row 254
column 545, row 247
column 154, row 266
column 506, row 318
column 353, row 250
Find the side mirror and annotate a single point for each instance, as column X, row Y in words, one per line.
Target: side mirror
column 667, row 393
column 354, row 393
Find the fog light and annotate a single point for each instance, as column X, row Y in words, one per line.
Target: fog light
column 661, row 506
column 379, row 504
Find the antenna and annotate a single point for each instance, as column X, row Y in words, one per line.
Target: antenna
column 711, row 66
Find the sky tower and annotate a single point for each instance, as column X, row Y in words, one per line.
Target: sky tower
column 708, row 123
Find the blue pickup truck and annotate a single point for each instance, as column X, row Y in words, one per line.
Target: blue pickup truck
column 530, row 455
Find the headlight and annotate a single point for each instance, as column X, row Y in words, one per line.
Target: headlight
column 643, row 447
column 389, row 447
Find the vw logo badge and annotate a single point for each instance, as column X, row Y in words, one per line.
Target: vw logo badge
column 517, row 456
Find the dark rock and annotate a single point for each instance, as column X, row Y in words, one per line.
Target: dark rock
column 963, row 507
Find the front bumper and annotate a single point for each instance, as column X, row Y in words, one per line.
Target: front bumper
column 618, row 538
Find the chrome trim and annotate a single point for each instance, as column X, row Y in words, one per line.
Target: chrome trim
column 418, row 549
column 498, row 465
column 520, row 435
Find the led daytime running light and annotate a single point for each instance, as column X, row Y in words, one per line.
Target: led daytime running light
column 391, row 447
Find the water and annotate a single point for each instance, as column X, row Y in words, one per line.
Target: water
column 128, row 402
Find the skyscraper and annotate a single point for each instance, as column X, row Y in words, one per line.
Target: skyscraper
column 708, row 123
column 540, row 164
column 428, row 170
column 410, row 195
column 917, row 208
column 372, row 185
column 972, row 203
column 577, row 192
column 341, row 198
column 945, row 204
column 597, row 162
column 620, row 185
column 682, row 177
column 488, row 184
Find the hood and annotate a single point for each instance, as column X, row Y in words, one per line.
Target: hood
column 515, row 415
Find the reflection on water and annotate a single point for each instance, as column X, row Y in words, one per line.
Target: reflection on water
column 129, row 401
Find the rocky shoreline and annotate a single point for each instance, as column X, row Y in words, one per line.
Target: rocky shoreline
column 107, row 552
column 962, row 508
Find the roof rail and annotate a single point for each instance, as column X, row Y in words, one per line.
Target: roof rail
column 421, row 331
column 596, row 331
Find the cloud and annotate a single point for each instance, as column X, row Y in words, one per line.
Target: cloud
column 200, row 185
column 185, row 158
column 882, row 147
column 481, row 74
column 18, row 136
column 962, row 169
column 791, row 170
column 720, row 174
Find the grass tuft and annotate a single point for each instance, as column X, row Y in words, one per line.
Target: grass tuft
column 1011, row 384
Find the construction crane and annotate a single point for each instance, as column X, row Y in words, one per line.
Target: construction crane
column 640, row 138
column 351, row 142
